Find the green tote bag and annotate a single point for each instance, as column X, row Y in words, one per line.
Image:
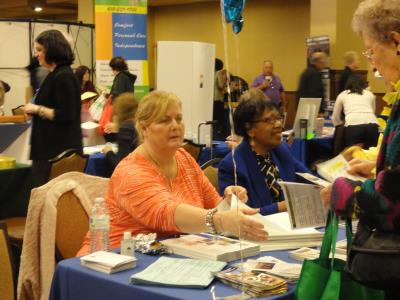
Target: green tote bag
column 324, row 278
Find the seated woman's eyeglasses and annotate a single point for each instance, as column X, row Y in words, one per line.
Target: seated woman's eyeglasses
column 270, row 120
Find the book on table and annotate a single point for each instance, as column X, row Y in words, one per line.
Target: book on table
column 179, row 272
column 281, row 235
column 108, row 262
column 207, row 246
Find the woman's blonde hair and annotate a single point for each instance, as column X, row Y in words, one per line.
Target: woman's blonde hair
column 377, row 18
column 153, row 108
column 125, row 108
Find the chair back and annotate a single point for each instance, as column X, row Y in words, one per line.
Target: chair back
column 72, row 225
column 7, row 274
column 212, row 174
column 68, row 161
column 19, row 110
column 193, row 149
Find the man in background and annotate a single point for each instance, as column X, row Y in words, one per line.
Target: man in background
column 351, row 61
column 271, row 85
column 310, row 83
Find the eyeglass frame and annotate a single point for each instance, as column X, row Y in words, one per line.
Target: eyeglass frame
column 369, row 54
column 269, row 120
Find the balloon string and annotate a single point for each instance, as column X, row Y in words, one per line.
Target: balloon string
column 232, row 131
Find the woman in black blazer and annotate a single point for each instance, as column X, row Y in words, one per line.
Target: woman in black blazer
column 56, row 107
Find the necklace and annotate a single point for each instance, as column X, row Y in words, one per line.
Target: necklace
column 168, row 174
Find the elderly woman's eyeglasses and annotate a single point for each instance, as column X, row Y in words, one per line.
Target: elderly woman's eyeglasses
column 369, row 54
column 270, row 120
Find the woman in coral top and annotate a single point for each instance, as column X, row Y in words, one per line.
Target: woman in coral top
column 160, row 188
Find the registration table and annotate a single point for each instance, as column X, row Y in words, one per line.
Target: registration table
column 71, row 281
column 15, row 190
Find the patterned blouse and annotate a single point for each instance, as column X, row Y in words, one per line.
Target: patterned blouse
column 377, row 201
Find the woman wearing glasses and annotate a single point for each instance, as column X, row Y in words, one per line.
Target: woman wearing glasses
column 261, row 158
column 377, row 201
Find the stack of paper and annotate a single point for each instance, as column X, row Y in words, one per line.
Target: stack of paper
column 310, row 254
column 254, row 284
column 282, row 236
column 108, row 262
column 206, row 246
column 179, row 272
column 273, row 266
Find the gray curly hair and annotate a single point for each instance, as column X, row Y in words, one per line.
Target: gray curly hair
column 377, row 18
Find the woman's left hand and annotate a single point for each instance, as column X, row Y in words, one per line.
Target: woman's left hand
column 239, row 191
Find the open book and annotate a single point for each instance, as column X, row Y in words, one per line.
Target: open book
column 206, row 246
column 336, row 167
column 304, row 204
column 108, row 262
column 281, row 234
column 179, row 272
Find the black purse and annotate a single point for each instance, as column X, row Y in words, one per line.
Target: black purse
column 374, row 258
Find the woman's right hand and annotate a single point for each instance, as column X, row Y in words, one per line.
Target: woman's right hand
column 229, row 221
column 361, row 167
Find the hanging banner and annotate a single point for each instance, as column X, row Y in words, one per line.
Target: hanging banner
column 121, row 31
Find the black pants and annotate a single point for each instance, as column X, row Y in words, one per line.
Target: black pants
column 366, row 134
column 220, row 132
column 40, row 172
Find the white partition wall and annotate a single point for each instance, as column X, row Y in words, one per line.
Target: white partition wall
column 187, row 69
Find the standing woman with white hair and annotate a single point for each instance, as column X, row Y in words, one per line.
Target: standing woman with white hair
column 377, row 201
column 56, row 106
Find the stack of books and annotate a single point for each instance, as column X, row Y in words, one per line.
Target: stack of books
column 254, row 284
column 108, row 262
column 206, row 246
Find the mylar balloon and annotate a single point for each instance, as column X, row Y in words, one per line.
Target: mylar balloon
column 233, row 13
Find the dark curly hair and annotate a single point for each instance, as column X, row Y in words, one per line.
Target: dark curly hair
column 118, row 64
column 252, row 105
column 57, row 49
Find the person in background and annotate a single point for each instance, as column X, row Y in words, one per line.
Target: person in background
column 83, row 75
column 310, row 83
column 37, row 74
column 55, row 112
column 358, row 105
column 124, row 110
column 220, row 88
column 351, row 61
column 159, row 188
column 4, row 88
column 271, row 85
column 261, row 157
column 124, row 80
column 376, row 201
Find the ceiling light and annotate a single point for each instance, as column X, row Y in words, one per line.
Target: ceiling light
column 37, row 9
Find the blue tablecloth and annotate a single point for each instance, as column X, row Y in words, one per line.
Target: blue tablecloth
column 10, row 132
column 71, row 281
column 309, row 151
column 98, row 165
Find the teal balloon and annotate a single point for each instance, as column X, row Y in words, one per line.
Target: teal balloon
column 233, row 13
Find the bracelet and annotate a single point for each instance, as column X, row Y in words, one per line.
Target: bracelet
column 210, row 221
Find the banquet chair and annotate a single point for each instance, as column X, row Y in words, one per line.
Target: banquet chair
column 71, row 225
column 211, row 171
column 19, row 110
column 68, row 161
column 193, row 148
column 7, row 273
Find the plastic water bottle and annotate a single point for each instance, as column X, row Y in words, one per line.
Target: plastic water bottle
column 99, row 227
